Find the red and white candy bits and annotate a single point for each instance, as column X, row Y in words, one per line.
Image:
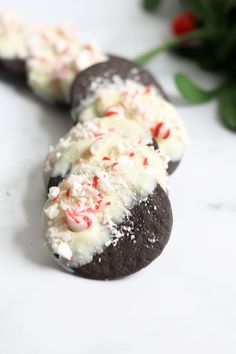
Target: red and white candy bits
column 78, row 219
column 160, row 131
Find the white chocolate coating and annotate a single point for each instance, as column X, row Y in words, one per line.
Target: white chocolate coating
column 54, row 55
column 93, row 141
column 13, row 36
column 142, row 104
column 57, row 55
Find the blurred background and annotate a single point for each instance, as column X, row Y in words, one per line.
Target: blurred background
column 185, row 301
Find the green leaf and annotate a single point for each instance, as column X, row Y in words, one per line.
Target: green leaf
column 227, row 107
column 211, row 11
column 191, row 91
column 195, row 6
column 151, row 5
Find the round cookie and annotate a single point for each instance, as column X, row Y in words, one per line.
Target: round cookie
column 110, row 218
column 104, row 86
column 90, row 79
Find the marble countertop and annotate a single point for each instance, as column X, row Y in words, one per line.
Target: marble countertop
column 185, row 301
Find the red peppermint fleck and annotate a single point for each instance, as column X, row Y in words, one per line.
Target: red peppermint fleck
column 68, row 192
column 114, row 164
column 87, row 220
column 89, row 210
column 106, row 158
column 108, row 203
column 100, row 196
column 167, row 134
column 95, row 181
column 155, row 131
column 131, row 154
column 145, row 161
column 148, row 89
column 184, row 23
column 111, row 113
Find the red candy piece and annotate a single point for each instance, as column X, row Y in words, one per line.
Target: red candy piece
column 68, row 192
column 111, row 113
column 87, row 220
column 167, row 134
column 114, row 164
column 160, row 130
column 148, row 89
column 95, row 181
column 155, row 131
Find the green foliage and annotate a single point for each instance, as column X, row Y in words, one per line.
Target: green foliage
column 191, row 91
column 227, row 107
column 212, row 46
column 151, row 5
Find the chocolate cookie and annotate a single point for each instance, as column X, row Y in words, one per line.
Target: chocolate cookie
column 150, row 224
column 86, row 81
column 107, row 88
column 172, row 166
column 14, row 66
column 111, row 216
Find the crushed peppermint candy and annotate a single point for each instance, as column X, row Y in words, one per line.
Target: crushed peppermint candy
column 53, row 193
column 77, row 219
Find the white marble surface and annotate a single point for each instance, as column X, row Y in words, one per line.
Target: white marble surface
column 185, row 302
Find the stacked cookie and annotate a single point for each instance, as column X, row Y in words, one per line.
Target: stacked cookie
column 107, row 214
column 110, row 214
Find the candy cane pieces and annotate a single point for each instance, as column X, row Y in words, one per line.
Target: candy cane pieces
column 115, row 110
column 160, row 131
column 77, row 219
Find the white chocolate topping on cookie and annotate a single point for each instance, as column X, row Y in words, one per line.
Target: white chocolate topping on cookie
column 142, row 104
column 81, row 220
column 96, row 140
column 13, row 36
column 57, row 55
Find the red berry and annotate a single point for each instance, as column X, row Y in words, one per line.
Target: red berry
column 184, row 23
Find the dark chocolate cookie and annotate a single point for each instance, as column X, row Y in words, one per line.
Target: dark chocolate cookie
column 115, row 66
column 172, row 166
column 89, row 80
column 149, row 225
column 14, row 66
